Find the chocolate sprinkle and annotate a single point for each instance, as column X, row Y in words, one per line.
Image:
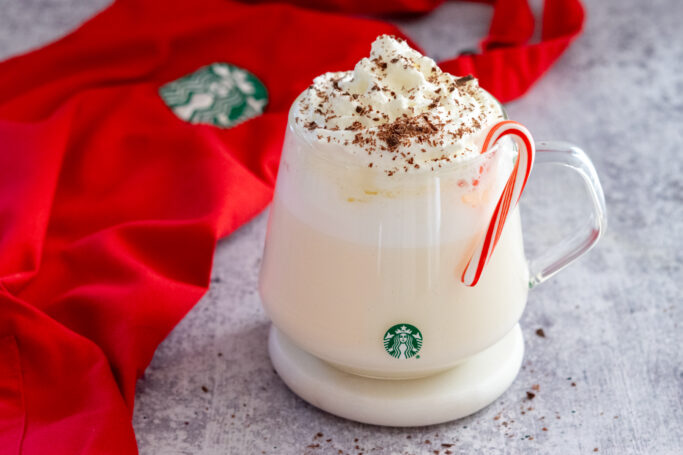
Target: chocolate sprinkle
column 464, row 80
column 354, row 126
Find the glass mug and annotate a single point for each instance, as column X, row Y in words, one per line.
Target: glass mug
column 362, row 270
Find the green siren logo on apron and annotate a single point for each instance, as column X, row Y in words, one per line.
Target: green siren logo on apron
column 219, row 94
column 403, row 341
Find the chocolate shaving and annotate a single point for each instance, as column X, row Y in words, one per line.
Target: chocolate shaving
column 463, row 80
column 354, row 126
column 431, row 125
column 392, row 141
column 403, row 129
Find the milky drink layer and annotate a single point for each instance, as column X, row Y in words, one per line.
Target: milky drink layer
column 336, row 298
column 359, row 241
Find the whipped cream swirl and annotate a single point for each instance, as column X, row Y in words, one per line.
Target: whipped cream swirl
column 397, row 111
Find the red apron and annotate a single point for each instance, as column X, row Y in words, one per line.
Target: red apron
column 111, row 204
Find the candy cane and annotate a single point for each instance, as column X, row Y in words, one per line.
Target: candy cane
column 508, row 199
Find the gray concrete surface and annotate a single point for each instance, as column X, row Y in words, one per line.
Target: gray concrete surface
column 609, row 369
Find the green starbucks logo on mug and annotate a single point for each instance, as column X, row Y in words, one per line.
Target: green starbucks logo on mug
column 219, row 94
column 403, row 341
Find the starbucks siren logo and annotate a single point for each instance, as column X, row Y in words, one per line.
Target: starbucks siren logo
column 403, row 341
column 219, row 94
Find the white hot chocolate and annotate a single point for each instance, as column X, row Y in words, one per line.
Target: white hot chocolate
column 381, row 197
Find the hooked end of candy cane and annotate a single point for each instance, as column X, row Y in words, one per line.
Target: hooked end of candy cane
column 509, row 198
column 469, row 275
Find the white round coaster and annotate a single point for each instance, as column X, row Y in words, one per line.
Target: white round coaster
column 442, row 397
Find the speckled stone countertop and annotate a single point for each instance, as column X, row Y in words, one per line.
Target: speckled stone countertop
column 609, row 371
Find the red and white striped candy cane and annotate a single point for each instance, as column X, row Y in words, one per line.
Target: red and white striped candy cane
column 508, row 199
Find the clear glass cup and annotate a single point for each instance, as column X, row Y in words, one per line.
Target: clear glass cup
column 362, row 270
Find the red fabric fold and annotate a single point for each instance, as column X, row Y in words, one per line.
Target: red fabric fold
column 509, row 65
column 45, row 408
column 111, row 206
column 365, row 6
column 12, row 407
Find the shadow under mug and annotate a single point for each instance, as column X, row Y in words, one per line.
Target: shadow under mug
column 362, row 270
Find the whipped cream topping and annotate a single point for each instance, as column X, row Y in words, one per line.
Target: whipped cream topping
column 397, row 111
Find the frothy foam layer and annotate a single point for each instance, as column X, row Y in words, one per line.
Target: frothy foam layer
column 397, row 111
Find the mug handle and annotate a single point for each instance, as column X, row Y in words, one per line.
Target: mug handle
column 568, row 250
